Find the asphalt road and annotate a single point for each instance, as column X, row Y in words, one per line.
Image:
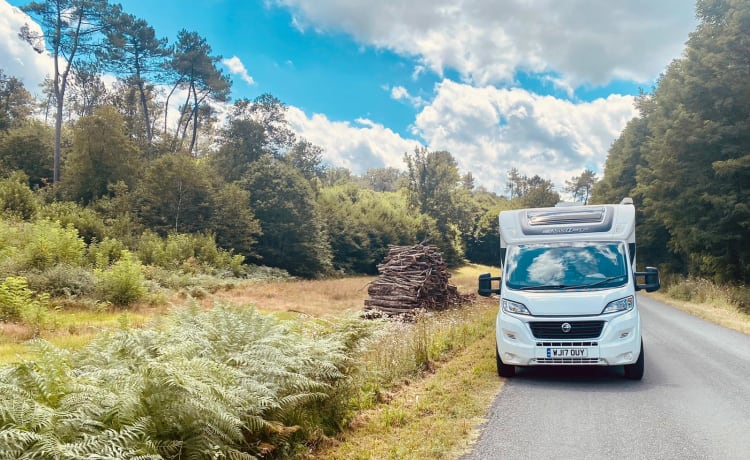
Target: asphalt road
column 693, row 401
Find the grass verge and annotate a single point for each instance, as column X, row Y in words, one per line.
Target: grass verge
column 429, row 418
column 727, row 306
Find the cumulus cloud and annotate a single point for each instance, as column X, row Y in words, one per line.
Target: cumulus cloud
column 490, row 130
column 399, row 93
column 17, row 58
column 236, row 67
column 356, row 146
column 585, row 41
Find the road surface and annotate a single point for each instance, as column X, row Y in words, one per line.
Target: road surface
column 693, row 401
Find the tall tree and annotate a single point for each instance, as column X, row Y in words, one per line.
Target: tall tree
column 28, row 148
column 70, row 29
column 197, row 72
column 435, row 189
column 580, row 187
column 133, row 51
column 623, row 158
column 16, row 103
column 383, row 179
column 294, row 237
column 101, row 155
column 693, row 172
column 538, row 192
column 175, row 195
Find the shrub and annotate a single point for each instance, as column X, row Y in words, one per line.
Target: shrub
column 63, row 280
column 89, row 224
column 18, row 303
column 122, row 283
column 16, row 198
column 49, row 243
column 104, row 253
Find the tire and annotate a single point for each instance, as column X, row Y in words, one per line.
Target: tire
column 635, row 371
column 504, row 370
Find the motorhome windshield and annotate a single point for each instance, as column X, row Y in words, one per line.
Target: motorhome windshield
column 574, row 265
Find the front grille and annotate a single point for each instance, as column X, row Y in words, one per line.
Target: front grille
column 567, row 344
column 565, row 361
column 578, row 329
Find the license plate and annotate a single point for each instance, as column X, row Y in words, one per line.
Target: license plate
column 567, row 353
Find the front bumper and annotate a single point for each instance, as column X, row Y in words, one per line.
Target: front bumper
column 618, row 343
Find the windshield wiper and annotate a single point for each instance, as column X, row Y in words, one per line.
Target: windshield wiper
column 545, row 286
column 603, row 281
column 572, row 286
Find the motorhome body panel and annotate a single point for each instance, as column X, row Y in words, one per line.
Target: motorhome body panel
column 575, row 223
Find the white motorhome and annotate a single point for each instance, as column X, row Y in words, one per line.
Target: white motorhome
column 568, row 288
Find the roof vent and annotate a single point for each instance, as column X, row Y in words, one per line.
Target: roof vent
column 626, row 200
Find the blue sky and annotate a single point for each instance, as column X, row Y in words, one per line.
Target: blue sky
column 542, row 86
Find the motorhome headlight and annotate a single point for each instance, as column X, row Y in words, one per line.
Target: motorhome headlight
column 624, row 304
column 514, row 307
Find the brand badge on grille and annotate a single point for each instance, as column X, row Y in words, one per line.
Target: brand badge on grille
column 566, row 327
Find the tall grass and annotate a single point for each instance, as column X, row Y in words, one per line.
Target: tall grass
column 701, row 290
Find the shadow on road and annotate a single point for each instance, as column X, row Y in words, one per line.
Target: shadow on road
column 584, row 378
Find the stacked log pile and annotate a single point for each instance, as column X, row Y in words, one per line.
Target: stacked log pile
column 412, row 278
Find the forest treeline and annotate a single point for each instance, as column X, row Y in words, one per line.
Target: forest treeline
column 686, row 158
column 118, row 165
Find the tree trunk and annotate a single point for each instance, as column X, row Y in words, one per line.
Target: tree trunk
column 144, row 104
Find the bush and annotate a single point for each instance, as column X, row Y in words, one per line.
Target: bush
column 103, row 254
column 18, row 303
column 16, row 198
column 63, row 280
column 122, row 283
column 49, row 243
column 89, row 224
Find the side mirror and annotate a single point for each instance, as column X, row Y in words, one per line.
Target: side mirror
column 485, row 285
column 652, row 282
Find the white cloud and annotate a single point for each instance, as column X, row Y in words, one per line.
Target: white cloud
column 235, row 65
column 490, row 130
column 17, row 58
column 590, row 41
column 399, row 93
column 356, row 146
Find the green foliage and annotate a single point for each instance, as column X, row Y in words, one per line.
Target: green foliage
column 580, row 187
column 16, row 199
column 123, row 282
column 685, row 160
column 175, row 195
column 293, row 235
column 87, row 221
column 220, row 384
column 103, row 254
column 28, row 148
column 63, row 280
column 101, row 155
column 365, row 223
column 19, row 303
column 435, row 188
column 16, row 103
column 188, row 253
column 233, row 221
column 48, row 243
